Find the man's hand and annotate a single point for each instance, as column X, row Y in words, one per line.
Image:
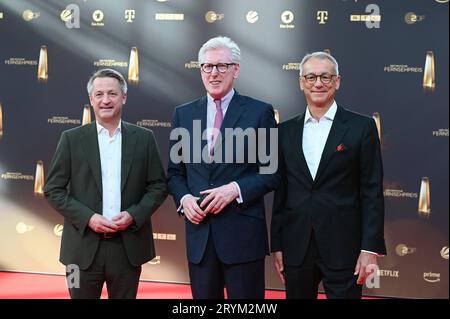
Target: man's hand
column 278, row 263
column 123, row 220
column 100, row 224
column 365, row 259
column 219, row 197
column 192, row 211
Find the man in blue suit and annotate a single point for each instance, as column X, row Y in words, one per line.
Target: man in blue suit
column 226, row 234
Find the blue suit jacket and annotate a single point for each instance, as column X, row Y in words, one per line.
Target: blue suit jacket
column 239, row 231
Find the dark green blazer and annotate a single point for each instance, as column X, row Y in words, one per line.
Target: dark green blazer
column 74, row 188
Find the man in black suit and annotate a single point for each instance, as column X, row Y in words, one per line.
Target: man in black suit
column 106, row 178
column 226, row 234
column 328, row 214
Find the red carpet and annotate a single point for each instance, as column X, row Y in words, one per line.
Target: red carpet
column 36, row 286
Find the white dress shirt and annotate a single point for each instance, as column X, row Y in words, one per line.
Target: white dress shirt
column 315, row 134
column 111, row 164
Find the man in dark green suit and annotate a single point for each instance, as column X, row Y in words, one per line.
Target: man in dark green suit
column 106, row 178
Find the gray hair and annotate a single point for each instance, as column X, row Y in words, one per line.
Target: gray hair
column 321, row 56
column 107, row 73
column 220, row 43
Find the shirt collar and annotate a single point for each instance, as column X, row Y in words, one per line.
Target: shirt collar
column 100, row 128
column 330, row 114
column 224, row 101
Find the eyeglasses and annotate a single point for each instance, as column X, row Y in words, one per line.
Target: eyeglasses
column 221, row 67
column 324, row 78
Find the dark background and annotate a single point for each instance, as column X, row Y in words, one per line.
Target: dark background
column 409, row 113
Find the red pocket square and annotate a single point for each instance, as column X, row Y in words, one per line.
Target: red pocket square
column 341, row 147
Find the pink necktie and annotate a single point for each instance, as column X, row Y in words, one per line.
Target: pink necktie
column 217, row 124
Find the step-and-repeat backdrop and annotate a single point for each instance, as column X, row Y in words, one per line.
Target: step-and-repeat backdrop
column 393, row 59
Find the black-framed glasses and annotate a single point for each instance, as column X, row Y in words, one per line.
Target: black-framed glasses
column 221, row 67
column 325, row 78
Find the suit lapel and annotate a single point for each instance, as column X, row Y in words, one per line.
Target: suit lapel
column 92, row 153
column 298, row 149
column 234, row 112
column 129, row 138
column 200, row 114
column 337, row 132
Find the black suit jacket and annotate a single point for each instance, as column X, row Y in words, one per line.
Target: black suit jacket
column 74, row 188
column 239, row 231
column 344, row 205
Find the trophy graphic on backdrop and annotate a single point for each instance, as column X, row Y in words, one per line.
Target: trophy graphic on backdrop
column 42, row 73
column 429, row 83
column 86, row 115
column 424, row 197
column 376, row 117
column 39, row 179
column 277, row 116
column 133, row 67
